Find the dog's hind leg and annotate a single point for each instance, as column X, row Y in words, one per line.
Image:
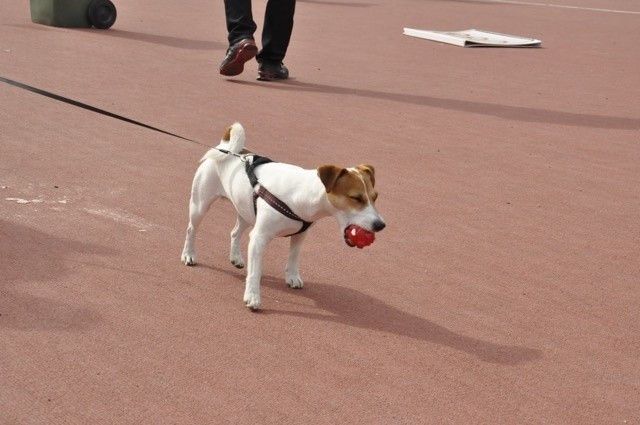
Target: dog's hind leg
column 202, row 196
column 292, row 270
column 235, row 253
column 196, row 214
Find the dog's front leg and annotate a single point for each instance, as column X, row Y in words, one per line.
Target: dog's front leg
column 257, row 244
column 292, row 270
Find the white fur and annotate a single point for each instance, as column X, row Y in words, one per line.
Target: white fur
column 223, row 176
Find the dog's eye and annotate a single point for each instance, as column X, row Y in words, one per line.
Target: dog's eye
column 358, row 198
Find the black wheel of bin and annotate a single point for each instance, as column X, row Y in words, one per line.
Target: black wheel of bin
column 102, row 14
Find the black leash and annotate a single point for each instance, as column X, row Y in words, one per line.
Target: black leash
column 82, row 105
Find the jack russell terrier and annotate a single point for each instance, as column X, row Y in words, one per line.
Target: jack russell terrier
column 278, row 199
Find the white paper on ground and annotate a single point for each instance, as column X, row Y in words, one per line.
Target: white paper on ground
column 474, row 38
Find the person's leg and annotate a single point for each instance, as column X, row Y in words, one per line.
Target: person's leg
column 240, row 24
column 241, row 27
column 276, row 33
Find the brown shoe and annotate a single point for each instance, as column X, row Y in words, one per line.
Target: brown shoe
column 241, row 52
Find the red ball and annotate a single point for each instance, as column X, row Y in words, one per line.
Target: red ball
column 358, row 237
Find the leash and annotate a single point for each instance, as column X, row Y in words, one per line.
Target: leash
column 104, row 112
column 243, row 157
column 262, row 192
column 88, row 107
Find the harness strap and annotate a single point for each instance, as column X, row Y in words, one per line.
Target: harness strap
column 251, row 165
column 281, row 207
column 269, row 197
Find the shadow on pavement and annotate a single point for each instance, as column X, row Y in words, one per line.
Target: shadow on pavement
column 516, row 113
column 353, row 308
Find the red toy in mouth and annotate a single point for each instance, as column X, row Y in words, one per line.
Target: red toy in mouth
column 357, row 236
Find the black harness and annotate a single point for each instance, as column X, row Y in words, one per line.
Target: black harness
column 268, row 197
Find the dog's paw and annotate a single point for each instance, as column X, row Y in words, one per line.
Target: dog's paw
column 252, row 301
column 252, row 296
column 188, row 259
column 237, row 261
column 294, row 282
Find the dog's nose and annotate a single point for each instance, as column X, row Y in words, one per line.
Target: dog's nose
column 378, row 225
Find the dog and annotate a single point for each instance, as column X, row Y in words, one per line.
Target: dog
column 302, row 196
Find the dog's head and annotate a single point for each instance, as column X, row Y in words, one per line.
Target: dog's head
column 351, row 192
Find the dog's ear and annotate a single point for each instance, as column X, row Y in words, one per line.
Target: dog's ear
column 370, row 171
column 329, row 175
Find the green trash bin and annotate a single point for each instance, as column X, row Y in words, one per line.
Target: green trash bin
column 74, row 13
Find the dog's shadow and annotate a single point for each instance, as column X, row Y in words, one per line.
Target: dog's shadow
column 350, row 307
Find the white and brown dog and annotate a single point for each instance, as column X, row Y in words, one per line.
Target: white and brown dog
column 283, row 201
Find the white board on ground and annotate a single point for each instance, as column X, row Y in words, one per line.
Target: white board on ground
column 474, row 38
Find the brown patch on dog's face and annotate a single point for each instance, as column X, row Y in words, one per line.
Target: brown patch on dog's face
column 349, row 189
column 227, row 135
column 351, row 193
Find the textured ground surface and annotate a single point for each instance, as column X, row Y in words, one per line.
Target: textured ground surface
column 505, row 289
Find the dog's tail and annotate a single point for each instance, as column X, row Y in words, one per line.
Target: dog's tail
column 232, row 141
column 234, row 137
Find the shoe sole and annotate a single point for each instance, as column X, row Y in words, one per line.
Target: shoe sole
column 269, row 76
column 236, row 66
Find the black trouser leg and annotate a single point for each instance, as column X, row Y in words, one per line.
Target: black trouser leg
column 278, row 25
column 240, row 22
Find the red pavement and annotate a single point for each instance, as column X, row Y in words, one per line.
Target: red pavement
column 505, row 289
